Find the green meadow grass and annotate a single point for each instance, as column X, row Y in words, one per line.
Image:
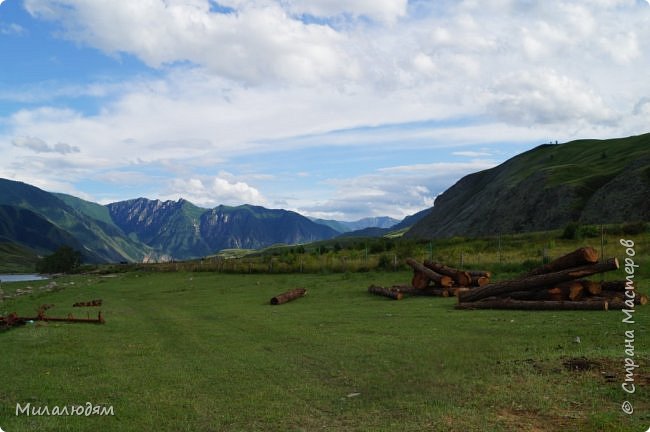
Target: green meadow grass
column 203, row 351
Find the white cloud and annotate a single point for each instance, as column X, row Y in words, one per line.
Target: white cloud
column 387, row 11
column 12, row 29
column 259, row 42
column 374, row 76
column 472, row 154
column 396, row 191
column 39, row 146
column 209, row 192
column 546, row 97
column 622, row 47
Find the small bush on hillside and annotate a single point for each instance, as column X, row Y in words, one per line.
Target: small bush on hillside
column 385, row 262
column 571, row 231
column 63, row 260
column 634, row 228
column 589, row 231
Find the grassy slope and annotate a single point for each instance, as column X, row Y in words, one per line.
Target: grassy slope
column 579, row 161
column 16, row 259
column 588, row 180
column 91, row 209
column 104, row 227
column 204, row 352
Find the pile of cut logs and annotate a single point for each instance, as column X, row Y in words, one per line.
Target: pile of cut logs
column 558, row 285
column 434, row 279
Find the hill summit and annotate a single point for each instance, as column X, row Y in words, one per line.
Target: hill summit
column 585, row 181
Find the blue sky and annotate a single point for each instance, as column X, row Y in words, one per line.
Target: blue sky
column 336, row 109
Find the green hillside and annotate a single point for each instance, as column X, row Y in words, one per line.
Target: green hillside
column 90, row 209
column 15, row 258
column 97, row 240
column 586, row 181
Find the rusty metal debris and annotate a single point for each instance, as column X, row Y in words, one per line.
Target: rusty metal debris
column 13, row 320
column 90, row 303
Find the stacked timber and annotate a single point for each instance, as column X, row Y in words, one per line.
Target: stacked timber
column 437, row 279
column 558, row 285
column 434, row 279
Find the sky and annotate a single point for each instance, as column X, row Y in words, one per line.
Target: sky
column 339, row 109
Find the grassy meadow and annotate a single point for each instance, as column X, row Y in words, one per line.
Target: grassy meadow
column 204, row 351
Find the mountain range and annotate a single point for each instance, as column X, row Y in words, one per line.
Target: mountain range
column 585, row 181
column 150, row 230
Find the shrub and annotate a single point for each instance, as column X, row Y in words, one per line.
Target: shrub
column 385, row 262
column 571, row 231
column 634, row 228
column 63, row 260
column 589, row 231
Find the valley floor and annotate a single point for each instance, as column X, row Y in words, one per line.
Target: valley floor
column 206, row 352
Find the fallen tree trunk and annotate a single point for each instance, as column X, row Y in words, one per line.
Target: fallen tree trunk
column 461, row 278
column 385, row 292
column 534, row 305
column 428, row 291
column 288, row 296
column 440, row 280
column 538, row 281
column 582, row 256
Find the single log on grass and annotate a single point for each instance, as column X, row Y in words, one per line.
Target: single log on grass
column 440, row 280
column 428, row 291
column 386, row 292
column 288, row 296
column 406, row 289
column 501, row 289
column 534, row 305
column 461, row 278
column 582, row 256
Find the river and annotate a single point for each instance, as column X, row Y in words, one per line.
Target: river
column 21, row 277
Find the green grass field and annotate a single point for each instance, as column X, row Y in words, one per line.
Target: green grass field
column 206, row 352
